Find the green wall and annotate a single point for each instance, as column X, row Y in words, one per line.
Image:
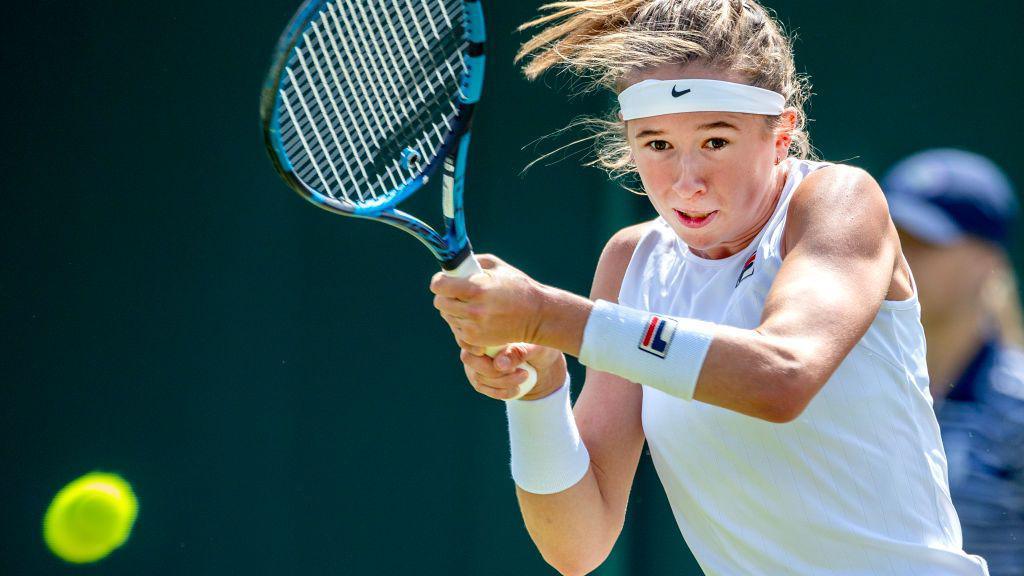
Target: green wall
column 272, row 378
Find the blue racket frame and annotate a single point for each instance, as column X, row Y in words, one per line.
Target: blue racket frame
column 450, row 248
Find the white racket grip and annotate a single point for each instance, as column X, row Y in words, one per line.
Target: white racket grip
column 469, row 267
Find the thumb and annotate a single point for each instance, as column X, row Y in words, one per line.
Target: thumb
column 510, row 356
column 488, row 261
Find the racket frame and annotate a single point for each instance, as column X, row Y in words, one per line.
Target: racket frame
column 452, row 249
column 452, row 246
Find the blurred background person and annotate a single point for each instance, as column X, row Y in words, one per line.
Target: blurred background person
column 955, row 212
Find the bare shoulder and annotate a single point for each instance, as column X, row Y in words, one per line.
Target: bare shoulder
column 614, row 260
column 835, row 203
column 839, row 187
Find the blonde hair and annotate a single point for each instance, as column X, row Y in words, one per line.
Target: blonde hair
column 1001, row 301
column 603, row 41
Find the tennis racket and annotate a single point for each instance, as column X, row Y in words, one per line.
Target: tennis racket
column 368, row 100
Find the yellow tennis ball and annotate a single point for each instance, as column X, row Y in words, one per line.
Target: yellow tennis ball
column 90, row 517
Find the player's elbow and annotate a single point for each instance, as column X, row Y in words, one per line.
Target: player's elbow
column 581, row 557
column 792, row 387
column 782, row 410
column 576, row 564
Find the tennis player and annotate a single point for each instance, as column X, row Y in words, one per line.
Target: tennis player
column 762, row 334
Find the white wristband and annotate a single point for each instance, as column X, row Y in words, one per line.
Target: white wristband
column 659, row 351
column 548, row 455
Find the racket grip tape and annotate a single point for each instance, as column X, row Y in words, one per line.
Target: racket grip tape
column 467, row 268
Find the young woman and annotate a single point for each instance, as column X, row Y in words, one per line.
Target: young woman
column 762, row 334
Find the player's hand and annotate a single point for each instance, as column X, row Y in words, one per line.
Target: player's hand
column 499, row 305
column 499, row 377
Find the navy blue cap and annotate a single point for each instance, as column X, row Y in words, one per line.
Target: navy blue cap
column 943, row 195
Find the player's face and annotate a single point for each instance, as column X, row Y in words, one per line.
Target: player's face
column 710, row 175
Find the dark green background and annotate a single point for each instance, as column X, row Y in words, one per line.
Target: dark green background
column 273, row 378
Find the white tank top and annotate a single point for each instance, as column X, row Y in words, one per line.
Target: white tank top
column 857, row 485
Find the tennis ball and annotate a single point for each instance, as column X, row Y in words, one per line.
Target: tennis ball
column 90, row 517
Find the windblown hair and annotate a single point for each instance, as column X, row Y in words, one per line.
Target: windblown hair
column 1001, row 301
column 604, row 41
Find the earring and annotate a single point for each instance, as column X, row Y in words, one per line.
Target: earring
column 777, row 160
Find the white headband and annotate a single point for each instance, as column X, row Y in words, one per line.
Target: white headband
column 657, row 97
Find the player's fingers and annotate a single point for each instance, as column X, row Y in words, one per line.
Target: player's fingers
column 452, row 321
column 475, row 380
column 488, row 261
column 510, row 356
column 480, row 384
column 507, row 382
column 474, row 350
column 462, row 336
column 483, row 365
column 491, row 392
column 452, row 287
column 452, row 306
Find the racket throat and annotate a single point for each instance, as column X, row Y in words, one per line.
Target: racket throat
column 453, row 170
column 458, row 259
column 448, row 188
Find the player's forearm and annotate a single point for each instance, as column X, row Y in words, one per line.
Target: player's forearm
column 574, row 530
column 558, row 484
column 760, row 374
column 563, row 317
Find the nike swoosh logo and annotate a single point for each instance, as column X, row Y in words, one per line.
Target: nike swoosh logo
column 678, row 94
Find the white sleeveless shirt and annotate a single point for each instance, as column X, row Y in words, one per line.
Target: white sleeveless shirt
column 857, row 485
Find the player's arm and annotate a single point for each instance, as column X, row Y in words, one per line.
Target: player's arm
column 576, row 529
column 841, row 258
column 842, row 252
column 573, row 467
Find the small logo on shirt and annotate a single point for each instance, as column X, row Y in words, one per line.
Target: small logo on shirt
column 658, row 336
column 748, row 269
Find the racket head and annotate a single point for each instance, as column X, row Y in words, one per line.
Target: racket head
column 366, row 99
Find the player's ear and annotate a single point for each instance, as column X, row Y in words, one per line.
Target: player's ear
column 783, row 133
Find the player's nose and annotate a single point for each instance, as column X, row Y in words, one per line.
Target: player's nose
column 689, row 180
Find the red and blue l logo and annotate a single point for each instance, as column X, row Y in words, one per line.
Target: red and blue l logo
column 748, row 269
column 658, row 336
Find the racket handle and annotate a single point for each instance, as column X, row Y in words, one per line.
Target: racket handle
column 469, row 267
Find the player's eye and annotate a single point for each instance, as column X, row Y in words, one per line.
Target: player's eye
column 716, row 143
column 658, row 145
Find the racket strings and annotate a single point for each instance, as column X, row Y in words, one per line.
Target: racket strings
column 390, row 174
column 302, row 122
column 367, row 81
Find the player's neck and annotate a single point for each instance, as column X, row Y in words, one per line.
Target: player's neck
column 952, row 344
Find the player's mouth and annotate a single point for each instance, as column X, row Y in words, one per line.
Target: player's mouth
column 696, row 219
